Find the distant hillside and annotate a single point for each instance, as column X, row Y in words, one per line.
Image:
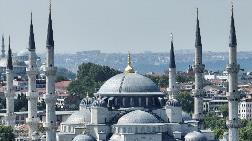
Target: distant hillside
column 151, row 62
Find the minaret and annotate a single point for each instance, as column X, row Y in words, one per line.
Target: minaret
column 198, row 67
column 233, row 122
column 32, row 95
column 172, row 90
column 9, row 94
column 3, row 48
column 50, row 97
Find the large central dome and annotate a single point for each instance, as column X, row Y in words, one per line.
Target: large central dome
column 128, row 83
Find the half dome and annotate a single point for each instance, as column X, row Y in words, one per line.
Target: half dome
column 83, row 137
column 195, row 136
column 79, row 117
column 137, row 117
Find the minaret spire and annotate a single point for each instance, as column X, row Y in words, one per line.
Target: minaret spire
column 9, row 60
column 3, row 48
column 198, row 67
column 50, row 41
column 233, row 122
column 31, row 37
column 172, row 56
column 32, row 95
column 232, row 36
column 198, row 36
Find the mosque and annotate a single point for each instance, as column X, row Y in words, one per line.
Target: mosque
column 128, row 106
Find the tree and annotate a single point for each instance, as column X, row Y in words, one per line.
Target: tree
column 217, row 124
column 65, row 74
column 245, row 132
column 90, row 77
column 6, row 133
column 186, row 101
column 21, row 103
column 224, row 110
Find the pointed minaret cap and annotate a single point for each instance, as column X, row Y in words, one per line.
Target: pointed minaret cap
column 9, row 59
column 31, row 37
column 232, row 36
column 198, row 36
column 172, row 56
column 129, row 68
column 50, row 41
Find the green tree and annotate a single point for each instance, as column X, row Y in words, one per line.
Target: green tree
column 6, row 133
column 224, row 110
column 186, row 101
column 217, row 124
column 65, row 74
column 21, row 103
column 246, row 132
column 90, row 77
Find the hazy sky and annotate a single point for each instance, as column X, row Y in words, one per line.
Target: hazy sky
column 126, row 25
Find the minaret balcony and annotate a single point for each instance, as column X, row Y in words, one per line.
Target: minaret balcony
column 31, row 121
column 50, row 98
column 198, row 92
column 235, row 123
column 48, row 125
column 31, row 95
column 233, row 68
column 199, row 68
column 50, row 71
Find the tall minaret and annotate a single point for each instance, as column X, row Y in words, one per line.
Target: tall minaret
column 172, row 90
column 233, row 122
column 9, row 94
column 3, row 48
column 198, row 67
column 50, row 97
column 32, row 95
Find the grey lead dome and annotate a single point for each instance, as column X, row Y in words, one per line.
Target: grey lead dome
column 128, row 83
column 83, row 137
column 138, row 116
column 195, row 136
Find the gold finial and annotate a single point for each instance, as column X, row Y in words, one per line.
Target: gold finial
column 129, row 68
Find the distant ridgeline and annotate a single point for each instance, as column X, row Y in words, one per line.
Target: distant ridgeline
column 151, row 62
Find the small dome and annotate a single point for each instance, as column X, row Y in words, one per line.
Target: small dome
column 128, row 83
column 137, row 116
column 79, row 117
column 83, row 137
column 195, row 136
column 173, row 102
